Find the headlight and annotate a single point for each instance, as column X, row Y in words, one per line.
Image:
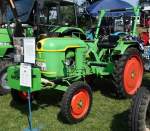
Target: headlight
column 4, row 44
column 39, row 45
column 41, row 65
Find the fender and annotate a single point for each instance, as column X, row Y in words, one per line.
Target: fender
column 69, row 31
column 128, row 42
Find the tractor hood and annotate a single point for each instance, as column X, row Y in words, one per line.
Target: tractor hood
column 59, row 44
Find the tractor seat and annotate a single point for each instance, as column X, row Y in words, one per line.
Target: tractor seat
column 48, row 35
column 110, row 42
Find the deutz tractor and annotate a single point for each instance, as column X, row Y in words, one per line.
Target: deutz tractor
column 63, row 63
column 33, row 17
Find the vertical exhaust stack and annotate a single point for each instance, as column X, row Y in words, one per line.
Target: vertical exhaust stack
column 18, row 29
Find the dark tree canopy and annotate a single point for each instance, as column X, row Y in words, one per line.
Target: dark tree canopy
column 91, row 1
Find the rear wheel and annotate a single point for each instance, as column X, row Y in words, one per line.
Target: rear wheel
column 128, row 73
column 76, row 102
column 20, row 97
column 139, row 118
column 4, row 64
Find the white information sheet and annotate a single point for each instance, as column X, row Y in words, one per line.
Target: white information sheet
column 25, row 75
column 29, row 50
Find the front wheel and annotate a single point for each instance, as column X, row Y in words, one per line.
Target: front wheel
column 139, row 118
column 76, row 102
column 128, row 73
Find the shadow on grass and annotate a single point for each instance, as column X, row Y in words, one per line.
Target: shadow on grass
column 45, row 98
column 105, row 86
column 120, row 122
column 61, row 119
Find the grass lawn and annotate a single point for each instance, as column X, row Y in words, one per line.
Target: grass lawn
column 107, row 114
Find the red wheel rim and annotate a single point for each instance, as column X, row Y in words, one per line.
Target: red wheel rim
column 23, row 95
column 80, row 104
column 133, row 74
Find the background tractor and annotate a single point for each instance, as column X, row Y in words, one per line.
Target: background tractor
column 32, row 18
column 6, row 49
column 144, row 33
column 139, row 117
column 63, row 62
column 145, row 25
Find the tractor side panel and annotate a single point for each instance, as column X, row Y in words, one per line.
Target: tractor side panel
column 4, row 35
column 54, row 62
column 14, row 79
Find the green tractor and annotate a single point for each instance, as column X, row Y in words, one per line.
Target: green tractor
column 23, row 20
column 63, row 62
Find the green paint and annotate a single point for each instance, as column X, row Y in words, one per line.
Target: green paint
column 121, row 48
column 29, row 31
column 4, row 35
column 4, row 41
column 14, row 79
column 101, row 15
column 3, row 50
column 61, row 88
column 137, row 13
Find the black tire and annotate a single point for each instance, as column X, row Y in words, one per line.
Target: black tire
column 90, row 80
column 139, row 118
column 121, row 67
column 4, row 64
column 66, row 108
